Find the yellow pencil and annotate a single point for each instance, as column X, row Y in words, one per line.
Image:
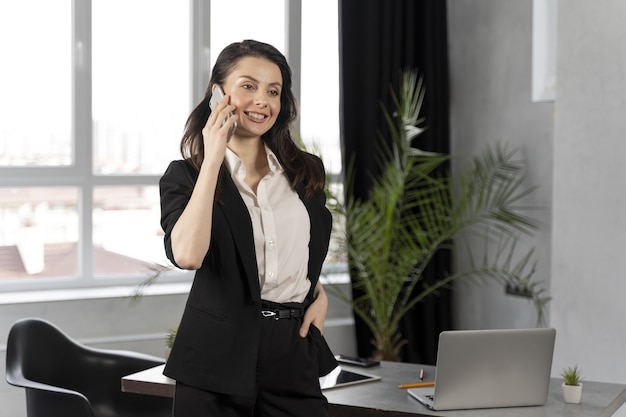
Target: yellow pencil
column 418, row 385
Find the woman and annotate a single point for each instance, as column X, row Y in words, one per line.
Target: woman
column 248, row 213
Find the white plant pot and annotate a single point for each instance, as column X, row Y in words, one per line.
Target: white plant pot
column 572, row 393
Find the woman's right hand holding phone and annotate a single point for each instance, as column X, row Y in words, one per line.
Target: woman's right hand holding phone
column 216, row 130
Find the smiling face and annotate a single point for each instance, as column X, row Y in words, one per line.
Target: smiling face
column 254, row 86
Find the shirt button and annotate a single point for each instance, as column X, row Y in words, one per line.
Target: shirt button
column 271, row 274
column 271, row 243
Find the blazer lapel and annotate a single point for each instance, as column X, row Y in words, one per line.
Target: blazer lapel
column 238, row 217
column 321, row 225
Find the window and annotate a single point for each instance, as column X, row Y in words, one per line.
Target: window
column 140, row 82
column 98, row 92
column 319, row 97
column 39, row 232
column 236, row 20
column 35, row 86
column 544, row 50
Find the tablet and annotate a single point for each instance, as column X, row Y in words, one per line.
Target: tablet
column 340, row 377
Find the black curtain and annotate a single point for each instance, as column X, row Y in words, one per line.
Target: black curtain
column 378, row 39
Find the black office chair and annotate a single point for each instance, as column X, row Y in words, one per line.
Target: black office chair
column 64, row 378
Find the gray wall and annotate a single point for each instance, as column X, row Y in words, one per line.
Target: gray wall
column 572, row 148
column 589, row 226
column 490, row 63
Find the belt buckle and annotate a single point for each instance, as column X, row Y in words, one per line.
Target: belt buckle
column 270, row 313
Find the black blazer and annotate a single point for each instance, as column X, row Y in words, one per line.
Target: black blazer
column 218, row 336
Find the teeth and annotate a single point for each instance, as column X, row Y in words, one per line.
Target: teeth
column 257, row 116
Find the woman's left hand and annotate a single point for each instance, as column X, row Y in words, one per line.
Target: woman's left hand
column 316, row 313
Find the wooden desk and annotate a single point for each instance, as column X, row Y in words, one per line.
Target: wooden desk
column 151, row 382
column 383, row 398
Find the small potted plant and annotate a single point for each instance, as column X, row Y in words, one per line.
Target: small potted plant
column 572, row 387
column 169, row 340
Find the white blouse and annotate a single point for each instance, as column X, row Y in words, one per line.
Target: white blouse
column 281, row 228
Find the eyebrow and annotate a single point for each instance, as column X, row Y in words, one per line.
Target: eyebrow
column 251, row 78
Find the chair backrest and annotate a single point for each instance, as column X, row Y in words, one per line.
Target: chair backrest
column 65, row 378
column 31, row 363
column 38, row 350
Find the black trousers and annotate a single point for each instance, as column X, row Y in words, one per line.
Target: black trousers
column 287, row 380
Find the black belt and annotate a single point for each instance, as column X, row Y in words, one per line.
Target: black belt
column 281, row 311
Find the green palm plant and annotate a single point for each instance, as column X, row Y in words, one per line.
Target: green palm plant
column 412, row 212
column 171, row 336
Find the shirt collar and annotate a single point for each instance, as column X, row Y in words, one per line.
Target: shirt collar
column 233, row 163
column 273, row 162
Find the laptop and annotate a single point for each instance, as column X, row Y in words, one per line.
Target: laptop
column 490, row 368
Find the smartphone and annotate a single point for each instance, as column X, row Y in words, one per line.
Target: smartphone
column 217, row 96
column 353, row 360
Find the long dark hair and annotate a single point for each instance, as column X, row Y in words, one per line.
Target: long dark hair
column 300, row 166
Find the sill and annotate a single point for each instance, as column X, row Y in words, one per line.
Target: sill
column 123, row 291
column 335, row 278
column 43, row 296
